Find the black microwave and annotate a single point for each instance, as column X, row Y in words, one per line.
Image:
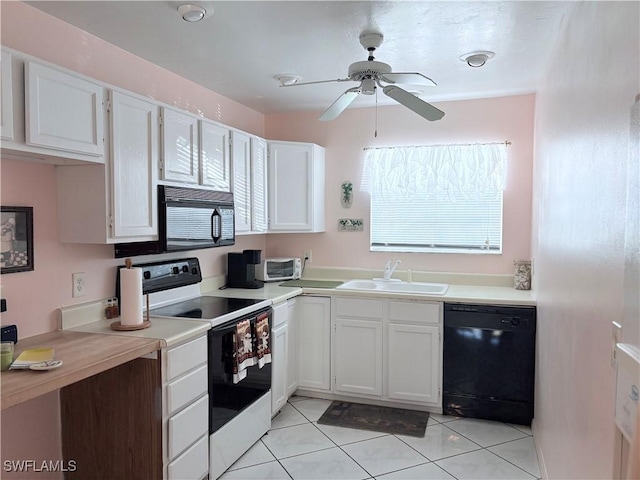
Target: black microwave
column 188, row 219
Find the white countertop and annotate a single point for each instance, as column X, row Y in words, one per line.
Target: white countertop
column 171, row 331
column 455, row 294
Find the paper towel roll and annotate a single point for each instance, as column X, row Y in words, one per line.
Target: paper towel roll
column 131, row 296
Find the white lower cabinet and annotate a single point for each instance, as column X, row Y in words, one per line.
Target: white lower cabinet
column 279, row 356
column 413, row 362
column 314, row 342
column 292, row 351
column 387, row 349
column 357, row 352
column 185, row 411
column 284, row 377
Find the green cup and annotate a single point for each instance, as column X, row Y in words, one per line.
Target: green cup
column 6, row 355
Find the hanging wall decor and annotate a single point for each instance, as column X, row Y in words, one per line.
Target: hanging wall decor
column 350, row 225
column 16, row 224
column 346, row 194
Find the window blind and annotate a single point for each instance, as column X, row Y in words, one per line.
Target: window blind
column 444, row 199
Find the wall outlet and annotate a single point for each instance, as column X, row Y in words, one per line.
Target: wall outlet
column 307, row 256
column 78, row 284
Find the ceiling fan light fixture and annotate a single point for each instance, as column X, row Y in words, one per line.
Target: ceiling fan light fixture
column 287, row 78
column 193, row 13
column 477, row 59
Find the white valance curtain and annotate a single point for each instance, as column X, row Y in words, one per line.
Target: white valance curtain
column 456, row 171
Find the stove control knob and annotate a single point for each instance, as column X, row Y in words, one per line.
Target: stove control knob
column 146, row 274
column 175, row 270
column 194, row 270
column 185, row 269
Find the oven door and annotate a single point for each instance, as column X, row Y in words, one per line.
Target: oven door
column 226, row 398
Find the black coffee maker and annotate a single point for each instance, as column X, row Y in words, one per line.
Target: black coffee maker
column 241, row 269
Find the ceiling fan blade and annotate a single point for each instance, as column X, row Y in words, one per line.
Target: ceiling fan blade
column 340, row 104
column 408, row 78
column 319, row 81
column 412, row 102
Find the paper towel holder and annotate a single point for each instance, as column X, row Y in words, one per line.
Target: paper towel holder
column 145, row 324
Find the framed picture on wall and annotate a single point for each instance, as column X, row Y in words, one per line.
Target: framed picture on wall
column 16, row 224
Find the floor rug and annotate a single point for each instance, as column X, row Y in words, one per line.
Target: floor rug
column 378, row 419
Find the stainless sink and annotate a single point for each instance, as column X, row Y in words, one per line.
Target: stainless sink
column 395, row 287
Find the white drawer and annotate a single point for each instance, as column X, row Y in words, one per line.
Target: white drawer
column 185, row 357
column 192, row 464
column 188, row 425
column 415, row 312
column 359, row 308
column 187, row 388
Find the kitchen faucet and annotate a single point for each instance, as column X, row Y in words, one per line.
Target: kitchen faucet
column 389, row 269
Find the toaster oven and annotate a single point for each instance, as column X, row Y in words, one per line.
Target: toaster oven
column 279, row 269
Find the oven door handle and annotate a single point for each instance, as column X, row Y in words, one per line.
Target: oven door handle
column 216, row 225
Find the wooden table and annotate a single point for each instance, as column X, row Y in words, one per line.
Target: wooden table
column 83, row 354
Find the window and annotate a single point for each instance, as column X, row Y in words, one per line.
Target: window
column 439, row 198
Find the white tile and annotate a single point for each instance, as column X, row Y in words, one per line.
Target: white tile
column 266, row 471
column 442, row 418
column 383, row 455
column 296, row 440
column 256, row 455
column 331, row 464
column 312, row 408
column 484, row 432
column 428, row 471
column 482, row 465
column 288, row 417
column 343, row 436
column 439, row 442
column 521, row 453
column 523, row 428
column 297, row 398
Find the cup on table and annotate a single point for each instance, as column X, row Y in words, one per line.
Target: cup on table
column 6, row 355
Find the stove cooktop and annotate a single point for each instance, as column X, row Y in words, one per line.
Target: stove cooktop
column 205, row 307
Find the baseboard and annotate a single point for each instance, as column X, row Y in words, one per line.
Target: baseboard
column 543, row 467
column 369, row 401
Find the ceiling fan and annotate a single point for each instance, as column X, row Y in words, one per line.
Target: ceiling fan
column 371, row 74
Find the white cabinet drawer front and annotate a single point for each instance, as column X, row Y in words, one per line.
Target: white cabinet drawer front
column 186, row 388
column 418, row 312
column 62, row 111
column 182, row 359
column 192, row 464
column 188, row 425
column 359, row 308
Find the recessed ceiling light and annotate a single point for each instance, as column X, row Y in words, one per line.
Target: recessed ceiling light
column 287, row 78
column 193, row 13
column 477, row 59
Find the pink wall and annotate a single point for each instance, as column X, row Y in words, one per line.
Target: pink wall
column 582, row 146
column 32, row 430
column 486, row 120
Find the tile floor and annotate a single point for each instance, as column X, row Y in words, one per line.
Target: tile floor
column 297, row 447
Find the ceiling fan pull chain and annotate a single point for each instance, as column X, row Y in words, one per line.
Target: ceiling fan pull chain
column 375, row 133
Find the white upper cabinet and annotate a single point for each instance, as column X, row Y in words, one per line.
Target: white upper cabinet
column 215, row 163
column 179, row 132
column 6, row 113
column 249, row 160
column 62, row 111
column 241, row 161
column 117, row 203
column 296, row 187
column 259, row 209
column 134, row 162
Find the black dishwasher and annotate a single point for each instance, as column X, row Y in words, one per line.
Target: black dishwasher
column 489, row 362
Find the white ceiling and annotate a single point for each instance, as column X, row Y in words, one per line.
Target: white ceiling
column 237, row 50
